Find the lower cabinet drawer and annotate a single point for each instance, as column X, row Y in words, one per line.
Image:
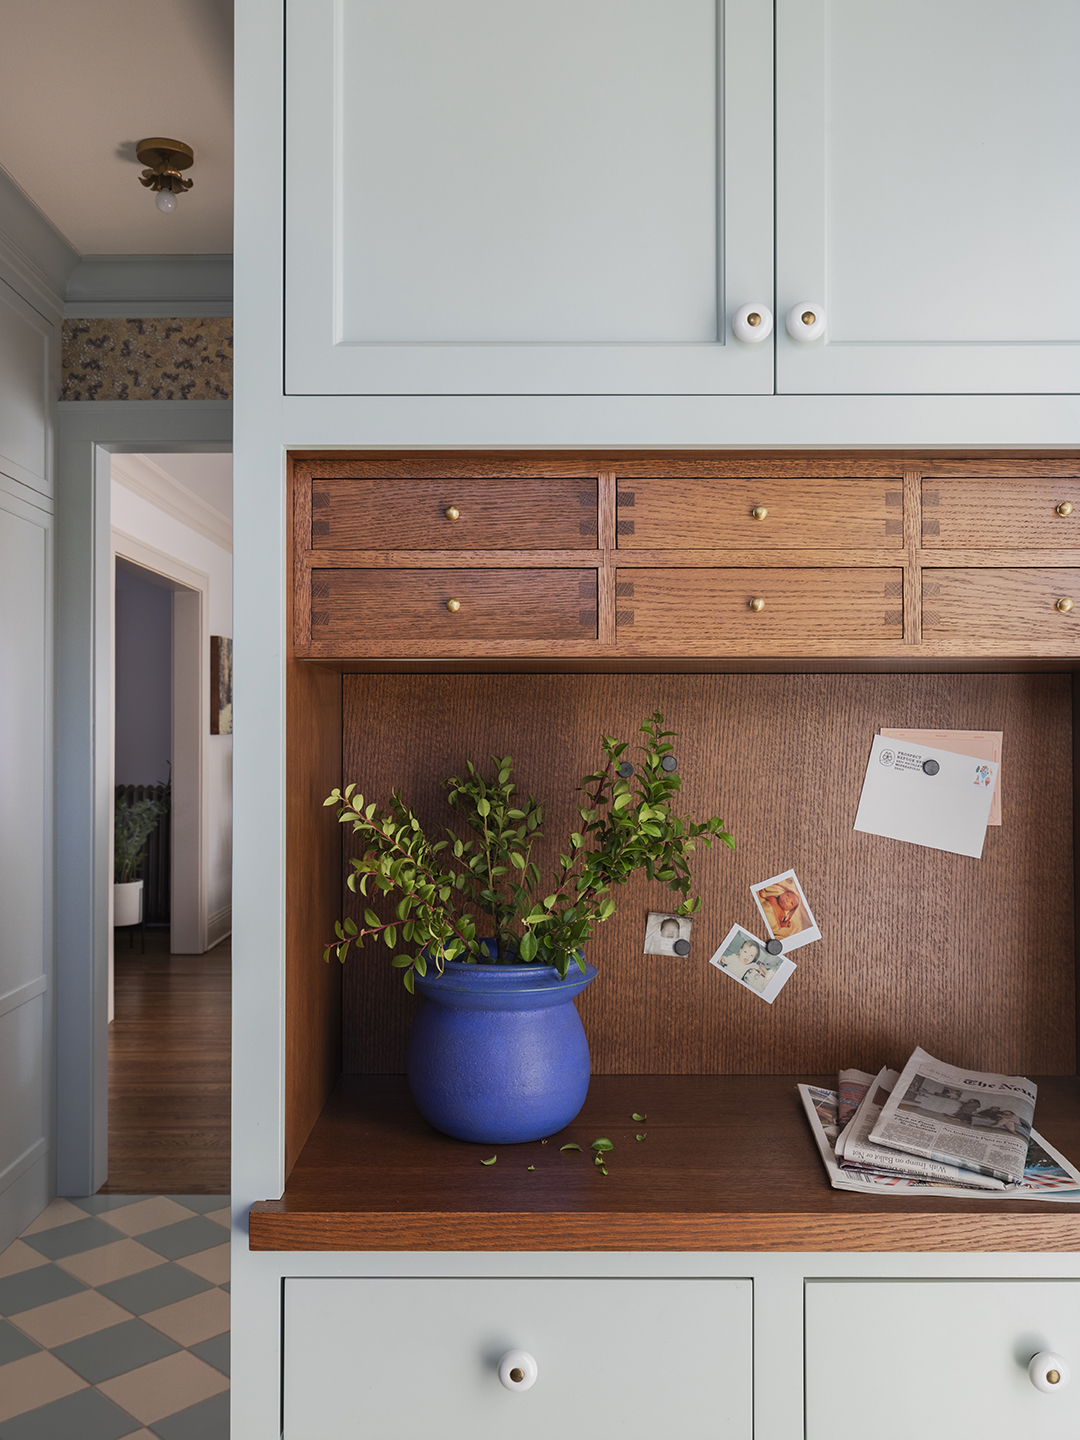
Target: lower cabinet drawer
column 899, row 1359
column 1002, row 605
column 385, row 612
column 697, row 612
column 630, row 1359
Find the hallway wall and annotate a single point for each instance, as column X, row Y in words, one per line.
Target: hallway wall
column 135, row 515
column 143, row 691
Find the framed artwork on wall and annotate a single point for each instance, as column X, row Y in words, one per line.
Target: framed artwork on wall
column 220, row 684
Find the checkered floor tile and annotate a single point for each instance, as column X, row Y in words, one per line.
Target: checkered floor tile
column 114, row 1321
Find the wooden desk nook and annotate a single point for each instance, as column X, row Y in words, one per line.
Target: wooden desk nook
column 454, row 606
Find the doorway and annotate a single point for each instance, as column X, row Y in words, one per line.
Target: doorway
column 169, row 959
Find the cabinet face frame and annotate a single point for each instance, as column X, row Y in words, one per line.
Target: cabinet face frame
column 806, row 244
column 320, row 361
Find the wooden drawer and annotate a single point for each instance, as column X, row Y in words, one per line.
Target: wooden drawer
column 390, row 612
column 698, row 612
column 529, row 513
column 1000, row 514
column 397, row 1359
column 1002, row 605
column 679, row 514
column 939, row 1357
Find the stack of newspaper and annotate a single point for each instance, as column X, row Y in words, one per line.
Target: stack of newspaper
column 936, row 1130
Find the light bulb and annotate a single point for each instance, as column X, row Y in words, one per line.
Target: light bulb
column 166, row 201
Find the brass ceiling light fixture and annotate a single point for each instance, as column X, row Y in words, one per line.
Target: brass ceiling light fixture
column 164, row 160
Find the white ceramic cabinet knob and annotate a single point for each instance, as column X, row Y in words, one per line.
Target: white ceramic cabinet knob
column 805, row 321
column 752, row 323
column 1048, row 1372
column 517, row 1370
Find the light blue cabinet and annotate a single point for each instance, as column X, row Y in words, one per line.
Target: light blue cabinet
column 395, row 1359
column 903, row 1358
column 576, row 197
column 567, row 197
column 928, row 195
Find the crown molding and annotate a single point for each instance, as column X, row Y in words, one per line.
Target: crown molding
column 35, row 258
column 149, row 287
column 142, row 477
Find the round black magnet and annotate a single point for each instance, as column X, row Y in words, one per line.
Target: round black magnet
column 774, row 947
column 668, row 762
column 626, row 770
column 681, row 947
column 930, row 767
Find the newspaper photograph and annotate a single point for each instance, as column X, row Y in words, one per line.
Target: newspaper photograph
column 857, row 1147
column 959, row 1117
column 1049, row 1175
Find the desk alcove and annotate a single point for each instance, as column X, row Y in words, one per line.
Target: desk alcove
column 975, row 960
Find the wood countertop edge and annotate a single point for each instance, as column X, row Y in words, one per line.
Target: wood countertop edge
column 273, row 1229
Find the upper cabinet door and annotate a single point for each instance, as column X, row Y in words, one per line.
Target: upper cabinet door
column 527, row 196
column 928, row 195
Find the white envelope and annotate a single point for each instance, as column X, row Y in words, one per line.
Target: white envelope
column 948, row 810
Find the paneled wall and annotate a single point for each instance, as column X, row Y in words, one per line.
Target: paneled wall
column 28, row 363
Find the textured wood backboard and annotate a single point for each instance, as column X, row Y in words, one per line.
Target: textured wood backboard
column 972, row 959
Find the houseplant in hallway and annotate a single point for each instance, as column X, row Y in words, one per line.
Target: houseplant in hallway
column 497, row 1052
column 133, row 823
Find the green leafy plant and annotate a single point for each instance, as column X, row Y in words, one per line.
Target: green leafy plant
column 133, row 824
column 627, row 823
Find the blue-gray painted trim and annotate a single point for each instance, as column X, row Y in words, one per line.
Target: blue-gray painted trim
column 41, row 251
column 87, row 432
column 145, row 286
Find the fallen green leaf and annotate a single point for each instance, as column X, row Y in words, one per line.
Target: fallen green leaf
column 638, row 1118
column 530, row 1167
column 602, row 1144
column 569, row 1147
column 640, row 1137
column 491, row 1161
column 603, row 1171
column 598, row 1159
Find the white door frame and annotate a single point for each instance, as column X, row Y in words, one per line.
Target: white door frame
column 88, row 432
column 190, row 819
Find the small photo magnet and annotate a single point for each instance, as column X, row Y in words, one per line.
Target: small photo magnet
column 667, row 934
column 745, row 958
column 785, row 911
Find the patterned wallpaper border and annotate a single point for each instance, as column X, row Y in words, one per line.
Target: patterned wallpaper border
column 182, row 359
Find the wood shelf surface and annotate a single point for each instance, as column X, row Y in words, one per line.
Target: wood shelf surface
column 728, row 1164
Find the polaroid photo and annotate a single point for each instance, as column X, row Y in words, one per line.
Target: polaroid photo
column 785, row 911
column 667, row 934
column 744, row 957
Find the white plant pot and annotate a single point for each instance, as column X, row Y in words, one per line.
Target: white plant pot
column 127, row 902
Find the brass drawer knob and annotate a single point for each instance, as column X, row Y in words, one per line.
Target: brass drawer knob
column 759, row 512
column 452, row 512
column 1064, row 605
column 1065, row 508
column 757, row 604
column 455, row 605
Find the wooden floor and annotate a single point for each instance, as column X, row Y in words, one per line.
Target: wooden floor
column 169, row 1063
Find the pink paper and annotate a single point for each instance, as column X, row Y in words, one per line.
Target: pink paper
column 981, row 744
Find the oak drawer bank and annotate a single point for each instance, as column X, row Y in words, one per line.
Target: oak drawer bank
column 440, row 558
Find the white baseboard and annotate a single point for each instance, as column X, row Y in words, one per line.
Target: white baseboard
column 218, row 926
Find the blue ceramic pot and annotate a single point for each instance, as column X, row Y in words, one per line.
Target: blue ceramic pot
column 497, row 1053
